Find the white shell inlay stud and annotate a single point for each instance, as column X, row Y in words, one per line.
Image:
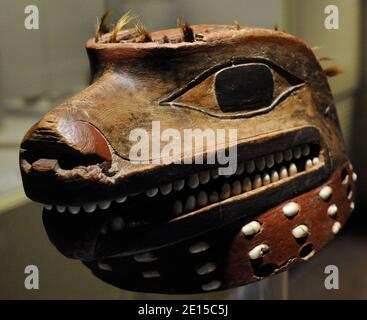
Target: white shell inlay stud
column 291, row 209
column 350, row 195
column 259, row 251
column 251, row 228
column 332, row 210
column 352, row 206
column 151, row 274
column 179, row 184
column 213, row 285
column 74, row 209
column 121, row 199
column 336, row 227
column 325, row 193
column 199, row 247
column 61, row 209
column 152, row 192
column 206, row 268
column 90, row 207
column 104, row 204
column 354, row 176
column 104, row 266
column 300, row 231
column 145, row 257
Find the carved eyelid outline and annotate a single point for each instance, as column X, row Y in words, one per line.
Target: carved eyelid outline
column 169, row 100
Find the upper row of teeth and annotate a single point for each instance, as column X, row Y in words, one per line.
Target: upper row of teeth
column 194, row 180
column 237, row 187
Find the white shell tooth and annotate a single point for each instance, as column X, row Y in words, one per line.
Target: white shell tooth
column 350, row 195
column 250, row 166
column 270, row 160
column 121, row 199
column 336, row 227
column 48, row 206
column 165, row 188
column 204, row 177
column 266, row 179
column 259, row 251
column 151, row 192
column 354, row 177
column 346, row 179
column 213, row 285
column 206, row 268
column 236, row 188
column 257, row 182
column 226, row 191
column 325, row 193
column 246, row 184
column 288, row 155
column 214, row 173
column 274, row 176
column 251, row 228
column 202, row 199
column 177, row 208
column 292, row 169
column 315, row 161
column 260, row 163
column 179, row 184
column 117, row 224
column 151, row 274
column 104, row 266
column 61, row 209
column 199, row 247
column 352, row 205
column 213, row 197
column 279, row 157
column 291, row 209
column 332, row 210
column 90, row 207
column 300, row 231
column 305, row 150
column 74, row 209
column 145, row 257
column 297, row 152
column 190, row 203
column 308, row 164
column 240, row 168
column 283, row 172
column 193, row 181
column 105, row 204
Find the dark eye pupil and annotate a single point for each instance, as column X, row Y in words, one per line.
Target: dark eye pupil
column 244, row 87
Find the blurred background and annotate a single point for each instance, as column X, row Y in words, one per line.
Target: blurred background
column 40, row 68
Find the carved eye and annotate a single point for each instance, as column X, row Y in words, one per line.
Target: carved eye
column 238, row 90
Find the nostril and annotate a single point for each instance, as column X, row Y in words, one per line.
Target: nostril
column 70, row 143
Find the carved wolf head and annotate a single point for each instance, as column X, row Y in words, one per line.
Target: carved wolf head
column 150, row 225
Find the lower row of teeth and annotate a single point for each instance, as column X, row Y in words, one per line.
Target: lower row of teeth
column 237, row 187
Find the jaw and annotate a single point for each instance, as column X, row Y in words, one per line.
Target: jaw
column 196, row 203
column 231, row 254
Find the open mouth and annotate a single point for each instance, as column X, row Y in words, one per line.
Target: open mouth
column 203, row 189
